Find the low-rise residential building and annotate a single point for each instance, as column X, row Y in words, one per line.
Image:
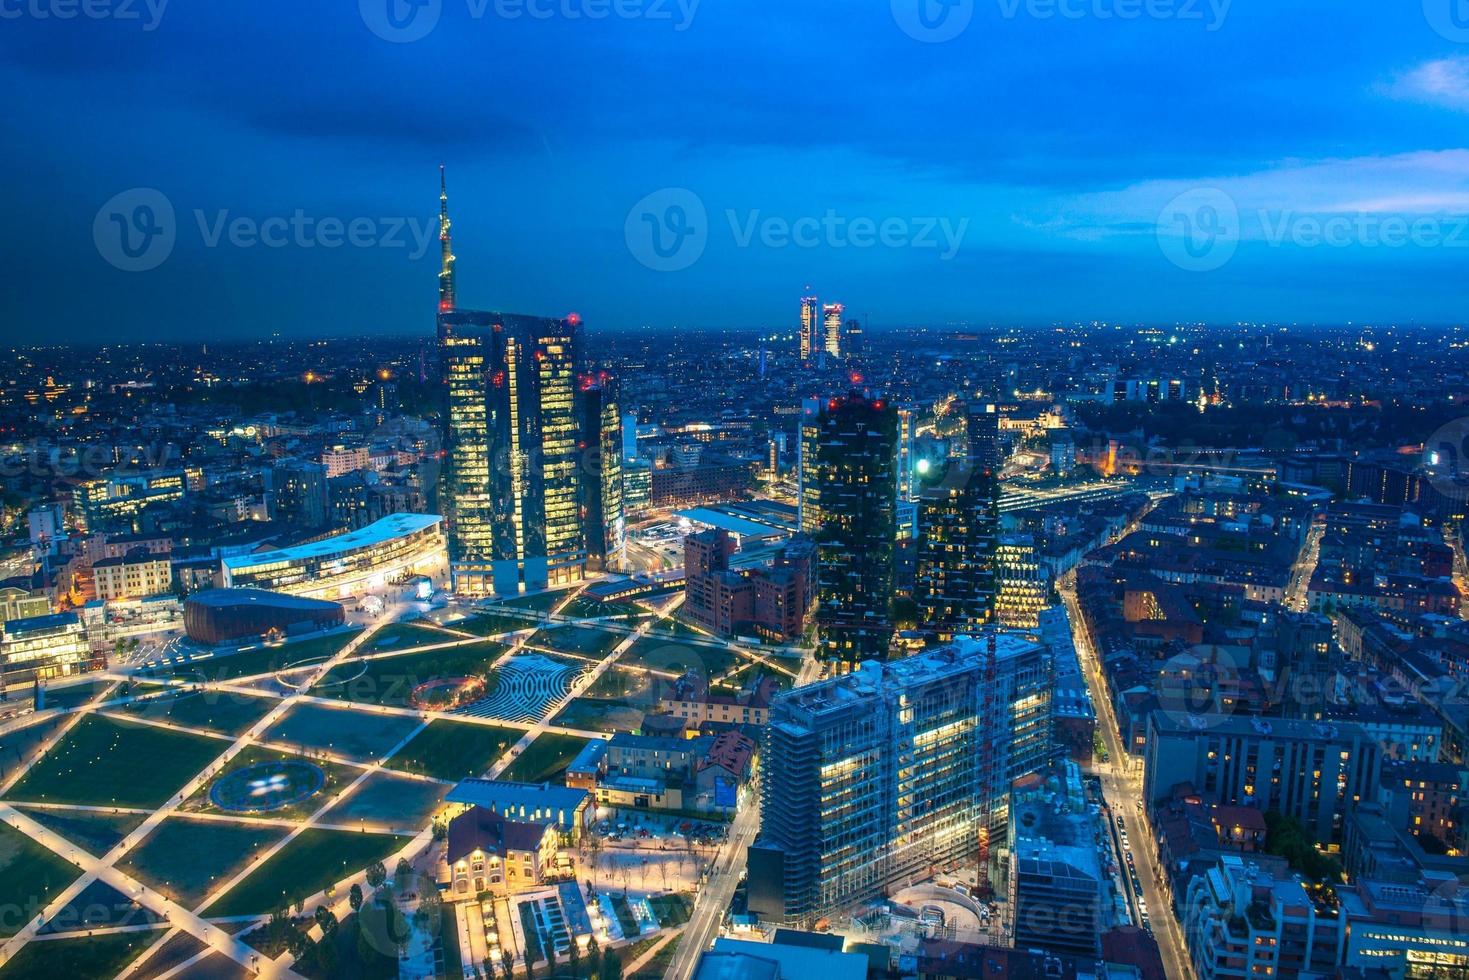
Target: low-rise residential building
column 486, row 851
column 138, row 574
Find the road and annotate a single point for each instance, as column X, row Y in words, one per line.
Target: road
column 1455, row 539
column 1122, row 787
column 718, row 891
column 1301, row 572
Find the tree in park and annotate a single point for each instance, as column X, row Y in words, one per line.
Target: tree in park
column 354, row 898
column 507, row 961
column 376, row 874
column 611, row 965
column 573, row 958
column 326, row 920
column 551, row 960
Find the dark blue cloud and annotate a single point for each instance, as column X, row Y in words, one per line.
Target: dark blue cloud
column 554, row 128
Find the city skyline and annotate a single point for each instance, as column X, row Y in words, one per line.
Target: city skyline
column 1044, row 188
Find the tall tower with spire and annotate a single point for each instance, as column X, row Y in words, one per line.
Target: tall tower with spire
column 446, row 248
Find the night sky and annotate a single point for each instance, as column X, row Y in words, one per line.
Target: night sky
column 1295, row 161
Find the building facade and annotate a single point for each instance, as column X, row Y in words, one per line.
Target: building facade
column 855, row 462
column 878, row 775
column 355, row 563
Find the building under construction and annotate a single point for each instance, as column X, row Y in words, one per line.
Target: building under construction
column 884, row 776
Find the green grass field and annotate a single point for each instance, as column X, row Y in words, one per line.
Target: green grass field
column 96, row 833
column 390, row 680
column 212, row 711
column 545, row 759
column 677, row 657
column 32, row 875
column 396, row 802
column 454, row 749
column 313, row 860
column 103, row 761
column 184, row 858
column 494, row 623
column 263, row 660
column 576, row 639
column 94, row 956
column 352, row 733
column 600, row 715
column 404, row 636
column 337, row 778
column 77, row 694
column 540, row 602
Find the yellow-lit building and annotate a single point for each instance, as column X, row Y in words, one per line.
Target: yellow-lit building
column 388, row 552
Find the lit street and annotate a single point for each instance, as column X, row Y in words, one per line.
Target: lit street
column 1122, row 786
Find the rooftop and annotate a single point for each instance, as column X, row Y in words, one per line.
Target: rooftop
column 390, row 527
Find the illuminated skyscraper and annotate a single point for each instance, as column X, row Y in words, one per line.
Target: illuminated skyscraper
column 831, row 316
column 907, row 442
column 601, row 474
column 810, row 325
column 958, row 520
column 810, row 500
column 857, row 496
column 446, row 248
column 513, row 431
column 853, row 340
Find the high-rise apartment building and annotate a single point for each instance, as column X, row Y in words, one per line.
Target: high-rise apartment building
column 855, row 457
column 831, row 319
column 958, row 523
column 877, row 775
column 601, row 477
column 811, row 341
column 853, row 339
column 1022, row 583
column 809, row 502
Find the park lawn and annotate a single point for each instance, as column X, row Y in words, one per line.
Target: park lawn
column 350, row 732
column 671, row 910
column 454, row 749
column 599, row 715
column 678, row 658
column 390, row 801
column 576, row 639
column 390, row 680
column 79, row 694
column 17, row 747
column 313, row 860
column 404, row 636
column 94, row 832
column 104, row 761
column 495, row 623
column 618, row 682
column 540, row 602
column 184, row 858
column 545, row 759
column 98, row 906
column 213, row 711
column 32, row 875
column 338, row 777
column 92, row 956
column 584, row 607
column 263, row 660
